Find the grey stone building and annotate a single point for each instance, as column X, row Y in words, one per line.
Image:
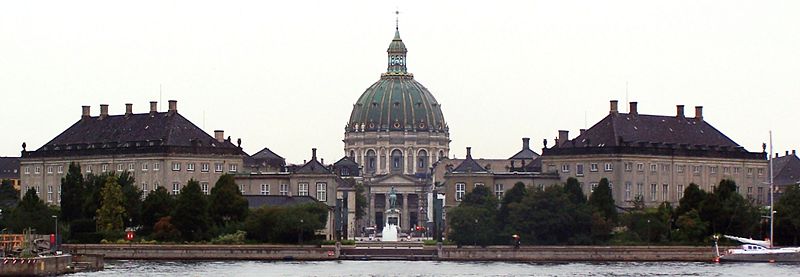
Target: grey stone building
column 157, row 148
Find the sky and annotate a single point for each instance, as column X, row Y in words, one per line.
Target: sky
column 285, row 74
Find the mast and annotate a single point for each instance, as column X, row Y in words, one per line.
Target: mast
column 771, row 193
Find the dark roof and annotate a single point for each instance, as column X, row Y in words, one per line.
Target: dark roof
column 9, row 168
column 621, row 130
column 469, row 165
column 345, row 161
column 138, row 133
column 257, row 201
column 526, row 153
column 313, row 166
column 787, row 170
column 265, row 157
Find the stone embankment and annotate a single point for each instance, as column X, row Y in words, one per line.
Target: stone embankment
column 205, row 252
column 578, row 253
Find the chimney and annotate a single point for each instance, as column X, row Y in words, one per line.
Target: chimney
column 582, row 131
column 787, row 152
column 776, row 155
column 128, row 109
column 322, row 161
column 698, row 113
column 680, row 111
column 526, row 143
column 153, row 107
column 218, row 134
column 314, row 154
column 563, row 136
column 794, row 152
column 469, row 152
column 85, row 112
column 103, row 110
column 614, row 109
column 632, row 109
column 173, row 105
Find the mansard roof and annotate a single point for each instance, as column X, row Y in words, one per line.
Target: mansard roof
column 787, row 170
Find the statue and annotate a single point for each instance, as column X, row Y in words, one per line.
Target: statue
column 392, row 198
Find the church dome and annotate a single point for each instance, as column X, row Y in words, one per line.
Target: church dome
column 397, row 102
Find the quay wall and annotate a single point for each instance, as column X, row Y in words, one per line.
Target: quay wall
column 578, row 253
column 38, row 266
column 204, row 252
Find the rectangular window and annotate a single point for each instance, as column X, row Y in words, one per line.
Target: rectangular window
column 737, row 170
column 579, row 169
column 104, row 168
column 609, row 167
column 726, row 170
column 176, row 166
column 233, row 167
column 665, row 192
column 190, row 167
column 696, row 169
column 760, row 172
column 144, row 166
column 58, row 198
column 242, row 189
column 478, row 184
column 89, row 169
column 302, row 189
column 284, row 189
column 760, row 195
column 712, row 169
column 37, row 170
column 653, row 168
column 156, row 166
column 679, row 168
column 498, row 191
column 204, row 167
column 564, row 168
column 749, row 171
column 218, row 167
column 460, row 190
column 640, row 167
column 322, row 192
column 640, row 190
column 204, row 187
column 176, row 188
column 144, row 190
column 540, row 187
column 628, row 187
column 653, row 192
column 120, row 167
column 49, row 169
column 593, row 167
column 264, row 189
column 49, row 194
column 680, row 192
column 750, row 193
column 593, row 186
column 628, row 166
column 27, row 170
column 344, row 171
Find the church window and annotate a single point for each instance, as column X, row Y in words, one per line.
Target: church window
column 422, row 161
column 397, row 160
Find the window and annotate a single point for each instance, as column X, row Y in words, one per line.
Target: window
column 696, row 169
column 104, row 168
column 593, row 186
column 284, row 189
column 60, row 169
column 640, row 167
column 460, row 189
column 176, row 166
column 49, row 169
column 609, row 167
column 264, row 189
column 726, row 170
column 653, row 192
column 37, row 170
column 38, row 189
column 540, row 187
column 628, row 166
column 760, row 172
column 322, row 192
column 653, row 168
column 144, row 190
column 49, row 194
column 737, row 170
column 204, row 187
column 749, row 192
column 131, row 167
column 397, row 159
column 190, row 167
column 665, row 192
column 478, row 185
column 665, row 167
column 89, row 168
column 371, row 160
column 204, row 167
column 712, row 169
column 27, row 170
column 344, row 171
column 302, row 189
column 144, row 166
column 422, row 160
column 564, row 168
column 749, row 171
column 218, row 167
column 120, row 167
column 760, row 195
column 579, row 169
column 498, row 191
column 59, row 195
column 233, row 167
column 156, row 166
column 242, row 189
column 176, row 188
column 640, row 190
column 593, row 167
column 679, row 168
column 628, row 187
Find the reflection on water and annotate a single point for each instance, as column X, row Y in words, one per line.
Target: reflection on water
column 431, row 268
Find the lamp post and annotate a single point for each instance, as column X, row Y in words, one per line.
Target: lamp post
column 55, row 218
column 300, row 232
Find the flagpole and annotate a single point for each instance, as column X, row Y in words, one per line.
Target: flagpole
column 771, row 195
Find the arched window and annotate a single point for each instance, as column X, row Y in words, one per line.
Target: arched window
column 422, row 159
column 397, row 160
column 371, row 160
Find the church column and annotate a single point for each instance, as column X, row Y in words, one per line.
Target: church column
column 404, row 225
column 388, row 166
column 411, row 156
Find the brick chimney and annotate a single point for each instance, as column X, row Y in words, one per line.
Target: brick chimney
column 314, row 154
column 173, row 105
column 153, row 107
column 698, row 113
column 85, row 111
column 219, row 135
column 128, row 109
column 526, row 143
column 680, row 111
column 632, row 108
column 563, row 136
column 103, row 110
column 614, row 107
column 582, row 131
column 794, row 152
column 469, row 152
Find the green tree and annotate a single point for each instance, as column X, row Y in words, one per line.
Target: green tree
column 132, row 199
column 93, row 185
column 286, row 224
column 156, row 205
column 31, row 212
column 190, row 216
column 112, row 211
column 474, row 221
column 361, row 201
column 691, row 200
column 72, row 194
column 728, row 212
column 549, row 217
column 787, row 217
column 574, row 190
column 511, row 196
column 227, row 202
column 690, row 228
column 602, row 200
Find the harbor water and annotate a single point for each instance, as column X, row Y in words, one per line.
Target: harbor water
column 434, row 268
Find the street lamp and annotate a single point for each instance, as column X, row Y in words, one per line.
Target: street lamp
column 55, row 217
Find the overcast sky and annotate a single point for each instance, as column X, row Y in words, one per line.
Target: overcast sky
column 285, row 74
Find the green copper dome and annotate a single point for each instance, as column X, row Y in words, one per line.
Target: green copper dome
column 397, row 102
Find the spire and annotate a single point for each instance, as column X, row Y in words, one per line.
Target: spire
column 397, row 51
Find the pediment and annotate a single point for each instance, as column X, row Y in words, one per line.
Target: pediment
column 396, row 179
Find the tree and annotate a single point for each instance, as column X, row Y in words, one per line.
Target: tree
column 728, row 212
column 93, row 185
column 511, row 196
column 9, row 195
column 191, row 212
column 72, row 194
column 31, row 212
column 474, row 221
column 549, row 217
column 480, row 196
column 111, row 212
column 574, row 191
column 132, row 199
column 361, row 201
column 602, row 200
column 227, row 202
column 156, row 205
column 787, row 217
column 286, row 224
column 691, row 200
column 165, row 231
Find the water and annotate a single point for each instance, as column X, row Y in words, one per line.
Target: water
column 432, row 268
column 389, row 233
